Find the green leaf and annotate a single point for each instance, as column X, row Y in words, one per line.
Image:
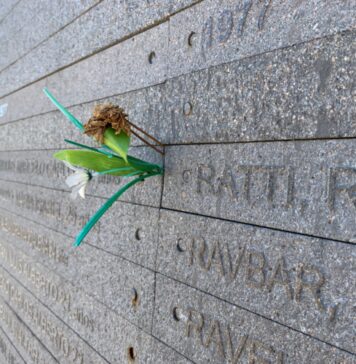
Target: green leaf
column 95, row 161
column 119, row 143
column 64, row 111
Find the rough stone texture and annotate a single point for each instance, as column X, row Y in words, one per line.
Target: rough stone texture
column 303, row 91
column 128, row 231
column 84, row 267
column 30, row 348
column 95, row 30
column 104, row 330
column 262, row 283
column 64, row 344
column 6, row 7
column 207, row 330
column 228, row 30
column 305, row 187
column 32, row 21
column 299, row 92
column 275, row 274
column 85, row 270
column 117, row 69
column 8, row 352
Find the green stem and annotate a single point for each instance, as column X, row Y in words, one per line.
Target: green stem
column 94, row 219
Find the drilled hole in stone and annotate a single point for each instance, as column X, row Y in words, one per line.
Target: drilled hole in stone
column 187, row 108
column 131, row 354
column 134, row 300
column 190, row 39
column 175, row 314
column 179, row 246
column 138, row 234
column 151, row 57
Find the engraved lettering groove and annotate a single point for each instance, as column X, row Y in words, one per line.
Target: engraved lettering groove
column 23, row 338
column 43, row 284
column 39, row 319
column 219, row 29
column 49, row 208
column 219, row 337
column 276, row 188
column 41, row 243
column 301, row 283
column 272, row 186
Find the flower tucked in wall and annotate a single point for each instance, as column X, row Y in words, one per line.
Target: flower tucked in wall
column 111, row 128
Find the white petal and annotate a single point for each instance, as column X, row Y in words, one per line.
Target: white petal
column 77, row 178
column 82, row 191
column 75, row 190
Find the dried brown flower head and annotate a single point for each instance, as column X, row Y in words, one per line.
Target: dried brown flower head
column 106, row 116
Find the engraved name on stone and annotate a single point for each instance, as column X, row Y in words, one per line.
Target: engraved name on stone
column 213, row 32
column 121, row 276
column 62, row 341
column 92, row 320
column 43, row 203
column 206, row 329
column 305, row 187
column 7, row 350
column 25, row 341
column 39, row 242
column 279, row 275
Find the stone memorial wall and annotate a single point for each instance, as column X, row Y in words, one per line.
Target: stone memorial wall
column 244, row 251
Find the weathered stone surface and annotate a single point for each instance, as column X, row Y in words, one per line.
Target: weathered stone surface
column 214, row 32
column 30, row 348
column 6, row 7
column 300, row 92
column 108, row 333
column 64, row 344
column 102, row 26
column 31, row 22
column 129, row 231
column 207, row 330
column 108, row 278
column 305, row 283
column 42, row 169
column 8, row 352
column 305, row 187
column 118, row 69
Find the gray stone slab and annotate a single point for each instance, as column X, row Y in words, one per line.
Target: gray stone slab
column 8, row 352
column 304, row 187
column 6, row 7
column 41, row 169
column 41, row 21
column 298, row 92
column 65, row 345
column 123, row 67
column 31, row 349
column 83, row 37
column 100, row 274
column 129, row 231
column 215, row 32
column 208, row 330
column 304, row 283
column 108, row 333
